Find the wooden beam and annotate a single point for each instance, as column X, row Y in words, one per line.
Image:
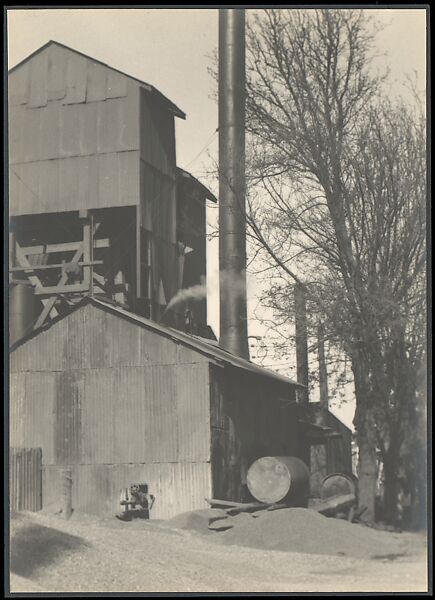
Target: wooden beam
column 55, row 266
column 64, row 247
column 335, row 504
column 49, row 304
column 12, row 258
column 34, row 280
column 138, row 285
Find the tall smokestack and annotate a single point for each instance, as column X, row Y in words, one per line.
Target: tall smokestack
column 232, row 217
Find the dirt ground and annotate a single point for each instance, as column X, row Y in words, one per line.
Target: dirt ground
column 87, row 554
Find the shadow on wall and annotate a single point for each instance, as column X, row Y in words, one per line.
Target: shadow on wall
column 34, row 547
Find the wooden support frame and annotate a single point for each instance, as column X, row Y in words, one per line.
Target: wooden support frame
column 83, row 258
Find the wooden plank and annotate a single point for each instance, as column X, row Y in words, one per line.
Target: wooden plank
column 336, row 504
column 55, row 266
column 34, row 280
column 138, row 291
column 64, row 247
column 49, row 303
column 239, row 505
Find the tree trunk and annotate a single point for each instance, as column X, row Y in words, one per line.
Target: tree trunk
column 392, row 486
column 367, row 475
column 366, row 437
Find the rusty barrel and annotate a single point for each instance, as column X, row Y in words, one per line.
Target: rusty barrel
column 273, row 479
column 21, row 311
column 338, row 484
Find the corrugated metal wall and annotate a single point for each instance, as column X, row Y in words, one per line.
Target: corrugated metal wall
column 191, row 231
column 339, row 450
column 158, row 212
column 73, row 134
column 25, row 479
column 117, row 402
column 251, row 417
column 178, row 487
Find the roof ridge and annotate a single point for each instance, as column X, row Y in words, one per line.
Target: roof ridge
column 177, row 111
column 216, row 352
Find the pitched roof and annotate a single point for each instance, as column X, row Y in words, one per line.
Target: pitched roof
column 201, row 345
column 207, row 193
column 148, row 86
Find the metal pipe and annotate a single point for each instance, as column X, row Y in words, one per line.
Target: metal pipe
column 232, row 215
column 323, row 371
column 301, row 341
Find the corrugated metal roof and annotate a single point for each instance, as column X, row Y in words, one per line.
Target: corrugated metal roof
column 179, row 113
column 207, row 193
column 194, row 342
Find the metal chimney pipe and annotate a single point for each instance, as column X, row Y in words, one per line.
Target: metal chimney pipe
column 232, row 215
column 301, row 341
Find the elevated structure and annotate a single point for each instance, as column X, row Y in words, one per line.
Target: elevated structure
column 97, row 204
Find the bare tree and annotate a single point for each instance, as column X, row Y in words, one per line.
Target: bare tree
column 337, row 201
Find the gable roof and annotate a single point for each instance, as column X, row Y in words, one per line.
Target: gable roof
column 171, row 106
column 201, row 345
column 189, row 177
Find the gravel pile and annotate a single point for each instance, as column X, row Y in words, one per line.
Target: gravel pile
column 108, row 555
column 195, row 520
column 307, row 531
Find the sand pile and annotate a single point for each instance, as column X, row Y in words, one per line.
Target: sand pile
column 307, row 531
column 196, row 520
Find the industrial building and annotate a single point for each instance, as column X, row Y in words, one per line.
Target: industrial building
column 120, row 398
column 105, row 229
column 93, row 184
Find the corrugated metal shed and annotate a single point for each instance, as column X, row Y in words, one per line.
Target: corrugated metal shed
column 117, row 403
column 121, row 399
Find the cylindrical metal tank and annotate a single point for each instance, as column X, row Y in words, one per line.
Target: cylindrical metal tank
column 21, row 311
column 279, row 479
column 338, row 484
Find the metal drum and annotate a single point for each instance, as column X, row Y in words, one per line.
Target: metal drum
column 21, row 311
column 338, row 484
column 273, row 479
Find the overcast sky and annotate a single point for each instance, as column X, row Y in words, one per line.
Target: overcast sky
column 171, row 49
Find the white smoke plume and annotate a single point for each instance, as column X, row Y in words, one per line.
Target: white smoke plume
column 195, row 292
column 199, row 291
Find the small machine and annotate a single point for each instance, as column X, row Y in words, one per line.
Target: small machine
column 136, row 502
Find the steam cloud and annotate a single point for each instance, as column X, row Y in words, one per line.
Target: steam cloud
column 195, row 292
column 199, row 291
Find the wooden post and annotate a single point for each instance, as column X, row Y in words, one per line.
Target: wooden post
column 323, row 372
column 67, row 493
column 301, row 341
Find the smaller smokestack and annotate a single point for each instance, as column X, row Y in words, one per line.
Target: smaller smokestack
column 323, row 372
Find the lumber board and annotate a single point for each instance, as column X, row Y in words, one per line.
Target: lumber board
column 229, row 504
column 336, row 504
